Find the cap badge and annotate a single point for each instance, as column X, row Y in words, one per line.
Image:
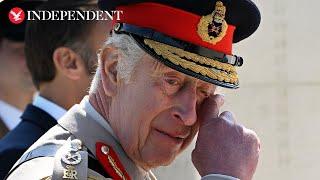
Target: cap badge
column 213, row 27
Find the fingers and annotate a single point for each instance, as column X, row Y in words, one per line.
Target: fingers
column 210, row 108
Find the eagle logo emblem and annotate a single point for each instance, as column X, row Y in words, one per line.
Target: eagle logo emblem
column 16, row 15
column 213, row 27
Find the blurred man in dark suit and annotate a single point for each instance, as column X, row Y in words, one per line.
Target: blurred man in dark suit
column 61, row 56
column 16, row 88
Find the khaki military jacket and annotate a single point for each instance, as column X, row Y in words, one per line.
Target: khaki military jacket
column 81, row 146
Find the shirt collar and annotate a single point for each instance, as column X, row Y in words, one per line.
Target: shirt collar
column 51, row 108
column 85, row 104
column 10, row 115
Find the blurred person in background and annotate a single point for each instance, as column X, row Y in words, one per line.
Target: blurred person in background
column 61, row 56
column 16, row 88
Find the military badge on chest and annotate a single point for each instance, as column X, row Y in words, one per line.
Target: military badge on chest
column 213, row 27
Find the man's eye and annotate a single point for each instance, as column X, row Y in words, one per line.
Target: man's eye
column 172, row 85
column 204, row 93
column 173, row 82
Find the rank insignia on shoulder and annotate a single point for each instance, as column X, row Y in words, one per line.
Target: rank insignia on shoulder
column 72, row 156
column 213, row 27
column 110, row 162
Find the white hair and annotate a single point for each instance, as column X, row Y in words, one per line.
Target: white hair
column 131, row 53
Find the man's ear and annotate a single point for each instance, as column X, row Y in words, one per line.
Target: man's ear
column 68, row 63
column 109, row 61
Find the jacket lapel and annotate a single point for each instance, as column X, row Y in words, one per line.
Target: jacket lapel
column 3, row 129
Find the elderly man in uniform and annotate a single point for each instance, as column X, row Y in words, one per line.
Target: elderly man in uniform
column 152, row 92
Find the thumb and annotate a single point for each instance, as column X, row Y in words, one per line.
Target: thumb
column 209, row 109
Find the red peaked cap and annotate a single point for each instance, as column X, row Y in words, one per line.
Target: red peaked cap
column 191, row 36
column 180, row 19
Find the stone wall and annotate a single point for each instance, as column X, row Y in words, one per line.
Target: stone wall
column 279, row 95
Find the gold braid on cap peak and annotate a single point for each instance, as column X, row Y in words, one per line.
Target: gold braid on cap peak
column 218, row 71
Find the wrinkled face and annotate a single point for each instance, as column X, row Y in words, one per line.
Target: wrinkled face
column 154, row 116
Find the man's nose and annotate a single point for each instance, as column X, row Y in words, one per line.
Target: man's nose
column 186, row 110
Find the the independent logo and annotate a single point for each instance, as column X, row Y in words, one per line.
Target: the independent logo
column 16, row 15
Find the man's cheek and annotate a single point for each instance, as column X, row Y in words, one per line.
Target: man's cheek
column 144, row 132
column 189, row 139
column 159, row 92
column 130, row 139
column 194, row 130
